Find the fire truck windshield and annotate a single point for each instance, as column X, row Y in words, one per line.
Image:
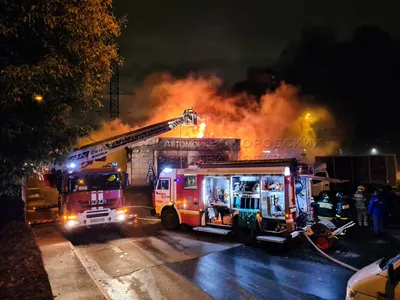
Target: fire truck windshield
column 94, row 182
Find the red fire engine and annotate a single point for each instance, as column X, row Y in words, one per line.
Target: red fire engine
column 261, row 200
column 90, row 197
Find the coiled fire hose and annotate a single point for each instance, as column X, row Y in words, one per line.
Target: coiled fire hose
column 329, row 257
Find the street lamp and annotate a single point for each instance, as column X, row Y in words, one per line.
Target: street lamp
column 374, row 151
column 305, row 118
column 38, row 98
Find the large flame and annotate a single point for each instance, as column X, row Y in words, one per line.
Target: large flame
column 202, row 129
column 281, row 124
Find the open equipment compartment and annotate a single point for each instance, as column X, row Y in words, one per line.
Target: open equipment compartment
column 273, row 203
column 218, row 200
column 246, row 192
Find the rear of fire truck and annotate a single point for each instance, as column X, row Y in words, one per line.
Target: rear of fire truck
column 92, row 197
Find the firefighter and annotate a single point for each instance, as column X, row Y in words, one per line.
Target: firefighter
column 112, row 178
column 314, row 209
column 342, row 208
column 325, row 208
column 360, row 201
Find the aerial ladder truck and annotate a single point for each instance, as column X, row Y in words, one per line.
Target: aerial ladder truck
column 92, row 197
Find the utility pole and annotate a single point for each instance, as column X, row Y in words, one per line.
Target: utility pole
column 114, row 91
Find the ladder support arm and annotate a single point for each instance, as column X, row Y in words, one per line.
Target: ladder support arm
column 102, row 148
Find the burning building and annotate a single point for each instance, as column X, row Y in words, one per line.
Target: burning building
column 281, row 123
column 160, row 153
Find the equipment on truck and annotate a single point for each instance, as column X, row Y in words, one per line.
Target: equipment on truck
column 250, row 198
column 89, row 197
column 265, row 200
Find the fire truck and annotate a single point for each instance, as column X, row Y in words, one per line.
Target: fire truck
column 257, row 200
column 91, row 197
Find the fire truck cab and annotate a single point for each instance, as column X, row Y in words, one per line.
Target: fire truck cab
column 260, row 200
column 92, row 197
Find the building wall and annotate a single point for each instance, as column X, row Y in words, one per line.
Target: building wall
column 138, row 166
column 169, row 152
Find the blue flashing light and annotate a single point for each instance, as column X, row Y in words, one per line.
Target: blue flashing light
column 115, row 164
column 167, row 170
column 177, row 179
column 72, row 166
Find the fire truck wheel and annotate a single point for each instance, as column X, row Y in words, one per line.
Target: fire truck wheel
column 169, row 219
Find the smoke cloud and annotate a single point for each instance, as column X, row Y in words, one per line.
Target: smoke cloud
column 281, row 124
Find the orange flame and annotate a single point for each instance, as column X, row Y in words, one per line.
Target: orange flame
column 281, row 123
column 201, row 130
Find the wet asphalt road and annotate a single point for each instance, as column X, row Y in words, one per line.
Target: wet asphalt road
column 205, row 266
column 150, row 263
column 255, row 273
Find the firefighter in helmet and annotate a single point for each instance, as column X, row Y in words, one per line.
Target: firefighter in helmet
column 314, row 209
column 325, row 209
column 342, row 208
column 360, row 200
column 112, row 178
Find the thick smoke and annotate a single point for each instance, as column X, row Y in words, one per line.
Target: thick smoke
column 281, row 124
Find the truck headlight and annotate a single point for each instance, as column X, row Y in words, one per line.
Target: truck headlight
column 71, row 223
column 121, row 215
column 350, row 294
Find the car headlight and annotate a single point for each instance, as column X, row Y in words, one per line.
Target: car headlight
column 350, row 294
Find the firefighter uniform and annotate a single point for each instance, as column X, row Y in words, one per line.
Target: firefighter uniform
column 325, row 209
column 360, row 201
column 343, row 211
column 314, row 209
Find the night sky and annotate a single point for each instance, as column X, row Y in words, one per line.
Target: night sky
column 228, row 36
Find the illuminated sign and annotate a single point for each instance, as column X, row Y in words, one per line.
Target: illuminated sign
column 201, row 144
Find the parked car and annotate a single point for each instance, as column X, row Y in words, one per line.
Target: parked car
column 379, row 280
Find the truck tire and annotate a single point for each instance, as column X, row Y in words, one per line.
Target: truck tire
column 169, row 219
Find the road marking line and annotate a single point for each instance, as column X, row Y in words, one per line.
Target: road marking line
column 89, row 271
column 111, row 288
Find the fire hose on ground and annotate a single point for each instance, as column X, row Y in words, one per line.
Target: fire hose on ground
column 147, row 219
column 334, row 233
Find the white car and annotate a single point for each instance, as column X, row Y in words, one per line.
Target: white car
column 379, row 280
